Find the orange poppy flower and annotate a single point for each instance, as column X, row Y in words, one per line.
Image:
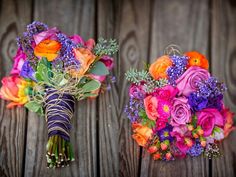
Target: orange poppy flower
column 197, row 59
column 47, row 48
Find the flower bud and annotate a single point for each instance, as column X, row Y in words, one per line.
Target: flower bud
column 152, row 149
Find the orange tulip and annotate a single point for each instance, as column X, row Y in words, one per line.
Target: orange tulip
column 86, row 58
column 47, row 48
column 158, row 69
column 13, row 89
column 141, row 133
column 197, row 59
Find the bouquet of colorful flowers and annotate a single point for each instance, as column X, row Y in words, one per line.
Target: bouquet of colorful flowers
column 51, row 70
column 176, row 107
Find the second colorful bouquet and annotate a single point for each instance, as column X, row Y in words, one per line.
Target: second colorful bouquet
column 176, row 107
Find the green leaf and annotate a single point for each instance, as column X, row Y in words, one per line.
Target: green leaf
column 99, row 69
column 42, row 73
column 33, row 106
column 91, row 86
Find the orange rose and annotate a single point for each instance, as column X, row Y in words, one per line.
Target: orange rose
column 141, row 133
column 13, row 89
column 229, row 121
column 197, row 59
column 47, row 48
column 159, row 67
column 86, row 58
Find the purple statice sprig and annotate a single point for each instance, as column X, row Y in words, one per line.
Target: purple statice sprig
column 196, row 149
column 133, row 108
column 66, row 56
column 177, row 69
column 26, row 41
column 210, row 88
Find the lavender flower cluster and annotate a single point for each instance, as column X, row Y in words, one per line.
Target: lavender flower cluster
column 177, row 69
column 67, row 54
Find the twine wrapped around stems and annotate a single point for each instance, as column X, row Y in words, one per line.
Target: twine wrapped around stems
column 59, row 109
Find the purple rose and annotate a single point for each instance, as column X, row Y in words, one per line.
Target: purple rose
column 188, row 82
column 180, row 113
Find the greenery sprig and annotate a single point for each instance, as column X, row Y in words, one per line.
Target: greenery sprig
column 137, row 77
column 105, row 47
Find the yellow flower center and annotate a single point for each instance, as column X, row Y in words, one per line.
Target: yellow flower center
column 166, row 134
column 166, row 108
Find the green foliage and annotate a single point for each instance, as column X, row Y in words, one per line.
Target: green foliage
column 99, row 69
column 137, row 77
column 145, row 120
column 91, row 86
column 43, row 72
column 105, row 47
column 194, row 121
column 34, row 107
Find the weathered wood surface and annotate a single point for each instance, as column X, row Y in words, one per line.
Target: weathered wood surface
column 223, row 45
column 101, row 133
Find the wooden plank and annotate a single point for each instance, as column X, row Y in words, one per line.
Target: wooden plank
column 223, row 66
column 70, row 17
column 107, row 110
column 185, row 23
column 13, row 17
column 119, row 154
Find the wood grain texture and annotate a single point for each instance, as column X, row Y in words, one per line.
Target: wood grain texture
column 224, row 67
column 70, row 17
column 133, row 34
column 13, row 17
column 108, row 111
column 185, row 23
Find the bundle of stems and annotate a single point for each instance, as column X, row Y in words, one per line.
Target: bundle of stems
column 59, row 152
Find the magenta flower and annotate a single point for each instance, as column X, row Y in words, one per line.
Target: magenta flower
column 188, row 82
column 163, row 109
column 19, row 60
column 108, row 61
column 167, row 92
column 77, row 39
column 208, row 118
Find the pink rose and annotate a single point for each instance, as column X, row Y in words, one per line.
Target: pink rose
column 136, row 91
column 160, row 124
column 19, row 60
column 167, row 92
column 49, row 34
column 208, row 118
column 150, row 104
column 183, row 138
column 108, row 62
column 98, row 78
column 180, row 113
column 77, row 39
column 90, row 44
column 188, row 82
